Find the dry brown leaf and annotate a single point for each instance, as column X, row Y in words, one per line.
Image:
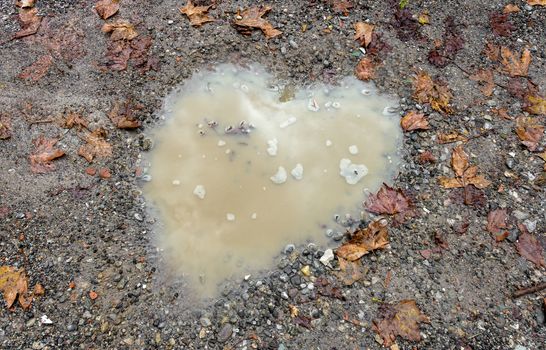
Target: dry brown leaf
column 530, row 248
column 351, row 271
column 535, row 104
column 400, row 319
column 75, row 120
column 496, row 220
column 485, row 78
column 38, row 69
column 196, row 14
column 29, row 21
column 107, row 8
column 120, row 30
column 536, row 2
column 502, row 112
column 252, row 18
column 5, row 127
column 25, row 3
column 96, row 146
column 492, row 51
column 14, row 286
column 365, row 69
column 363, row 33
column 459, row 160
column 464, row 173
column 38, row 290
column 122, row 115
column 375, row 236
column 514, row 66
column 414, row 120
column 432, row 92
column 529, row 132
column 451, row 137
column 43, row 155
column 510, row 8
column 342, row 6
column 389, row 201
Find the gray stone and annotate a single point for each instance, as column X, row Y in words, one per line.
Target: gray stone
column 225, row 333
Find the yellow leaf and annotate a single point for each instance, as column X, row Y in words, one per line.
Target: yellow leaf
column 513, row 65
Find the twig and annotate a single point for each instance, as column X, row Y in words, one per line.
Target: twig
column 533, row 289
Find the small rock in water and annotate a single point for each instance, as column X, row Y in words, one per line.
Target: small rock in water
column 328, row 143
column 280, row 177
column 312, row 105
column 336, row 105
column 230, row 217
column 221, row 143
column 353, row 149
column 176, row 182
column 199, row 191
column 289, row 248
column 288, row 122
column 253, row 216
column 327, row 257
column 272, row 147
column 352, row 172
column 297, row 172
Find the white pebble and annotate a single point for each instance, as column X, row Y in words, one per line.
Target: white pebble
column 272, row 149
column 230, row 217
column 199, row 191
column 280, row 177
column 297, row 172
column 353, row 149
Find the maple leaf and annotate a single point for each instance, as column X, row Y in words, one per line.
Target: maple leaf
column 29, row 21
column 120, row 30
column 96, row 146
column 122, row 115
column 535, row 104
column 414, row 121
column 485, row 78
column 464, row 173
column 38, row 69
column 513, row 65
column 496, row 220
column 365, row 69
column 107, row 8
column 375, row 236
column 75, row 120
column 536, row 2
column 500, row 24
column 444, row 53
column 529, row 247
column 432, row 92
column 529, row 132
column 350, row 271
column 118, row 55
column 5, row 127
column 43, row 155
column 196, row 14
column 400, row 319
column 342, row 6
column 406, row 26
column 363, row 33
column 252, row 18
column 389, row 201
column 14, row 286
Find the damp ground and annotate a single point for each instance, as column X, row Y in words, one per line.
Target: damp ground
column 69, row 226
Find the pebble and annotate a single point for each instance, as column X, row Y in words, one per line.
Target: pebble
column 280, row 177
column 225, row 333
column 138, row 217
column 205, row 322
column 510, row 163
column 71, row 327
column 293, row 44
column 289, row 248
column 327, row 257
column 520, row 215
column 531, row 225
column 513, row 236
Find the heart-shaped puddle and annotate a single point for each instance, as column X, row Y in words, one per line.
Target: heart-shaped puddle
column 240, row 169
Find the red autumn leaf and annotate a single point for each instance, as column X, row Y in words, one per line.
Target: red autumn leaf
column 365, row 69
column 107, row 8
column 500, row 24
column 38, row 69
column 496, row 220
column 414, row 121
column 400, row 319
column 43, row 155
column 362, row 242
column 529, row 132
column 530, row 248
column 388, row 201
column 29, row 21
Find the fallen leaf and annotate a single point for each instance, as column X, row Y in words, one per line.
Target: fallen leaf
column 450, row 137
column 459, row 160
column 389, row 201
column 414, row 121
column 453, row 42
column 496, row 220
column 96, row 146
column 485, row 78
column 25, row 3
column 29, row 21
column 530, row 248
column 342, row 6
column 365, row 69
column 400, row 319
column 464, row 173
column 406, row 26
column 432, row 92
column 38, row 290
column 350, row 271
column 252, row 18
column 502, row 112
column 500, row 24
column 117, row 55
column 362, row 242
column 122, row 115
column 424, row 18
column 5, row 127
column 529, row 132
column 107, row 8
column 64, row 41
column 363, row 33
column 38, row 69
column 303, row 321
column 196, row 14
column 14, row 286
column 326, row 289
column 536, row 2
column 492, row 51
column 535, row 104
column 43, row 155
column 75, row 120
column 120, row 30
column 510, row 8
column 514, row 65
column 294, row 311
column 105, row 173
column 426, row 157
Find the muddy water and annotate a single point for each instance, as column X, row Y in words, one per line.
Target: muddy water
column 237, row 174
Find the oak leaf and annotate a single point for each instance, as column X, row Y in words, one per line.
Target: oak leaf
column 400, row 319
column 5, row 127
column 496, row 220
column 43, row 155
column 530, row 248
column 120, row 30
column 364, row 241
column 196, row 14
column 485, row 78
column 365, row 69
column 29, row 21
column 96, row 146
column 414, row 121
column 432, row 92
column 252, row 18
column 38, row 69
column 14, row 286
column 107, row 8
column 513, row 65
column 363, row 33
column 529, row 132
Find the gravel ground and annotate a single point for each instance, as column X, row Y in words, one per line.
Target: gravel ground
column 68, row 226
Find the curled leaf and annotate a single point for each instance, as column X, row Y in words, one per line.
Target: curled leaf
column 400, row 319
column 529, row 132
column 414, row 121
column 252, row 18
column 196, row 14
column 365, row 69
column 107, row 8
column 29, row 21
column 43, row 155
column 375, row 236
column 122, row 115
column 388, row 201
